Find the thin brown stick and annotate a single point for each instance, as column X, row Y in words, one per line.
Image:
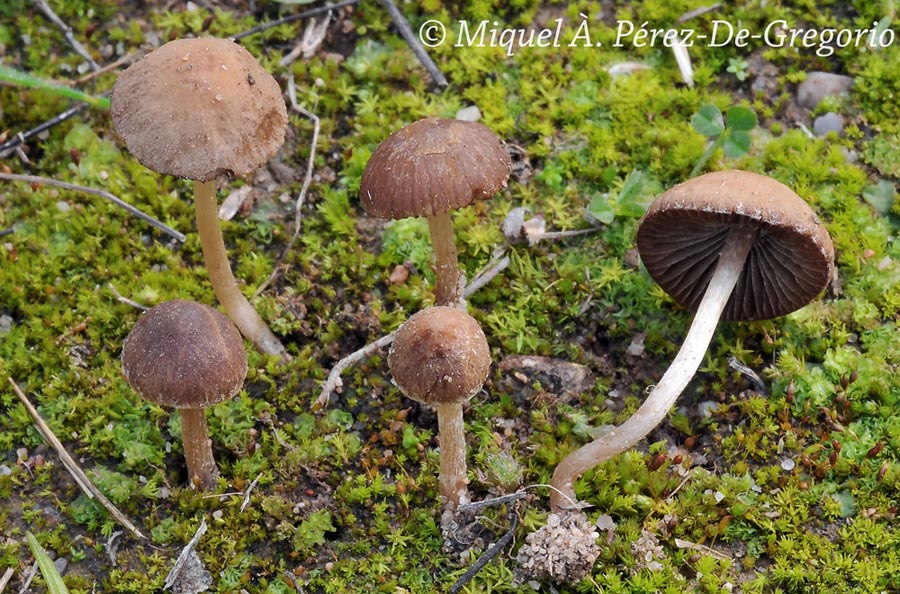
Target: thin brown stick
column 34, row 179
column 298, row 213
column 126, row 59
column 80, row 477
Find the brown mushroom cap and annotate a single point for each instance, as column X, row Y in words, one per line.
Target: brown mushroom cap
column 433, row 166
column 681, row 234
column 199, row 108
column 440, row 356
column 184, row 354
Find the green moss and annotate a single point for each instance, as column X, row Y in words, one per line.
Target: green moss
column 801, row 482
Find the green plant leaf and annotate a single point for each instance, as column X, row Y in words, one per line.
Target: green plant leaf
column 55, row 584
column 737, row 144
column 708, row 120
column 628, row 203
column 740, row 118
column 601, row 209
column 880, row 196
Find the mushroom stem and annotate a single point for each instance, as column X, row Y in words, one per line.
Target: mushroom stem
column 221, row 278
column 674, row 380
column 452, row 479
column 202, row 469
column 446, row 291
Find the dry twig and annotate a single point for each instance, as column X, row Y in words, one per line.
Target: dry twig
column 7, row 575
column 298, row 213
column 488, row 555
column 83, row 482
column 414, row 43
column 184, row 556
column 67, row 32
column 122, row 299
column 247, row 492
column 34, row 179
column 32, row 571
column 497, row 264
column 295, row 17
column 22, row 137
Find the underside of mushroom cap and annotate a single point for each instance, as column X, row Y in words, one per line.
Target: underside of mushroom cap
column 199, row 108
column 433, row 166
column 683, row 231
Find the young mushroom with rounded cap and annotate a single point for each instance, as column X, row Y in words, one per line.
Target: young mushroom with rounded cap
column 731, row 244
column 441, row 357
column 188, row 356
column 427, row 169
column 199, row 109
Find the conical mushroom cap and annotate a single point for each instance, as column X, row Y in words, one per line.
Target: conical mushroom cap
column 184, row 354
column 433, row 166
column 790, row 263
column 199, row 108
column 440, row 356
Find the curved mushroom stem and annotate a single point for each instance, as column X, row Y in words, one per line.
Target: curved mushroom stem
column 221, row 278
column 202, row 469
column 674, row 380
column 446, row 290
column 452, row 479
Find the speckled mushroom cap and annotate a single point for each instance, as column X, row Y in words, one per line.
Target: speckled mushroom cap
column 440, row 356
column 433, row 166
column 184, row 354
column 199, row 108
column 681, row 234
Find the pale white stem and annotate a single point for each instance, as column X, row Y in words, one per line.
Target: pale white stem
column 236, row 305
column 674, row 380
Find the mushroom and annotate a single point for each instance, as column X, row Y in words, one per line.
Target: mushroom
column 429, row 168
column 731, row 244
column 188, row 356
column 199, row 109
column 440, row 357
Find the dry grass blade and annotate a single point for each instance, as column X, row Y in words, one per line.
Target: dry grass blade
column 7, row 575
column 685, row 544
column 83, row 482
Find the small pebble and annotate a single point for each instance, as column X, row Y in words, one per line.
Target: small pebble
column 6, row 323
column 636, row 348
column 819, row 85
column 5, row 470
column 830, row 122
column 705, row 409
column 469, row 114
column 788, row 464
